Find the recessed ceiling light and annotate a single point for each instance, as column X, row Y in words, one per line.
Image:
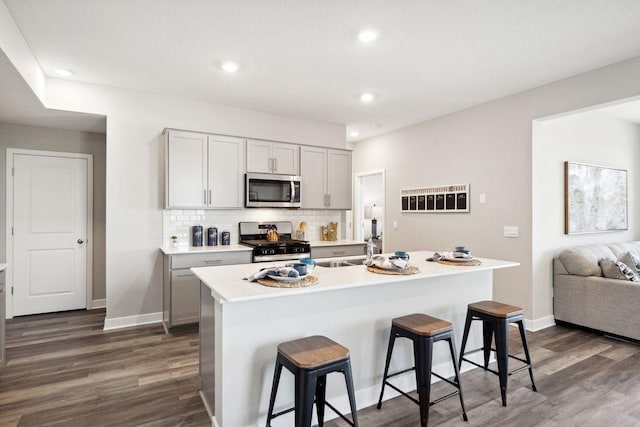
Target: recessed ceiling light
column 64, row 73
column 366, row 97
column 230, row 67
column 354, row 134
column 367, row 36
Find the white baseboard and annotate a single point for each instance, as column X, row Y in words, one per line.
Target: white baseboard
column 539, row 324
column 128, row 321
column 98, row 303
column 214, row 422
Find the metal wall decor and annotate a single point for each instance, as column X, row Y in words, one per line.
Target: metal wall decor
column 595, row 199
column 443, row 198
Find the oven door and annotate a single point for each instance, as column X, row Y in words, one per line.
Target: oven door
column 272, row 191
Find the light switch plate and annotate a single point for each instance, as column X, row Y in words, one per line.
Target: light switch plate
column 510, row 231
column 483, row 198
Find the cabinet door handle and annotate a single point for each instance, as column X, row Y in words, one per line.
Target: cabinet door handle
column 204, row 196
column 337, row 253
column 209, row 196
column 185, row 275
column 275, row 165
column 212, row 261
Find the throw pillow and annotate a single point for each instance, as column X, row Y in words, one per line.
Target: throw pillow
column 630, row 260
column 618, row 270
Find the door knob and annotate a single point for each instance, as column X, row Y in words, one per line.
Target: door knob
column 80, row 241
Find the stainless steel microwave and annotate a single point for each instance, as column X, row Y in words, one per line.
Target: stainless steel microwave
column 265, row 190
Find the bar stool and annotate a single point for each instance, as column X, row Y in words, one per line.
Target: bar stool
column 495, row 318
column 310, row 360
column 424, row 331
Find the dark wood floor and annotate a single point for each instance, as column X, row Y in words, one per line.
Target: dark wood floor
column 64, row 370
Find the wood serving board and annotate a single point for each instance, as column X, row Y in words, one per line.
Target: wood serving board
column 412, row 269
column 469, row 263
column 302, row 283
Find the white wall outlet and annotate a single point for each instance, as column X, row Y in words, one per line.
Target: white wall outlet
column 395, row 225
column 510, row 231
column 483, row 198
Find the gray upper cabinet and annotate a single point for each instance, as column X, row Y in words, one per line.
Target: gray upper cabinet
column 326, row 178
column 339, row 179
column 273, row 157
column 203, row 171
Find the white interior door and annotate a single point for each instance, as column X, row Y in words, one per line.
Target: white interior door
column 49, row 233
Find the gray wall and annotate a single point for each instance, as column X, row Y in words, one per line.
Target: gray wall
column 37, row 138
column 490, row 147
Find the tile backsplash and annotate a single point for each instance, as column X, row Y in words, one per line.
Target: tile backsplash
column 178, row 222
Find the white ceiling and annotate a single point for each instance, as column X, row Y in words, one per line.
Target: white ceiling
column 629, row 111
column 19, row 105
column 302, row 57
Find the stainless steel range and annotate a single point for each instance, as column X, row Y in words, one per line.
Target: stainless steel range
column 271, row 241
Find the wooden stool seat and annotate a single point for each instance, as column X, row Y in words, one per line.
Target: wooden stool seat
column 310, row 360
column 496, row 317
column 424, row 331
column 495, row 309
column 422, row 324
column 312, row 352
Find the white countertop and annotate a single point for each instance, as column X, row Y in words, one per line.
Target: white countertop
column 168, row 250
column 227, row 284
column 343, row 242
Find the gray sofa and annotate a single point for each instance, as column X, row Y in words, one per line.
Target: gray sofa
column 582, row 296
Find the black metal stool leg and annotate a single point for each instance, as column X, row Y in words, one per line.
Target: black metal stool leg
column 525, row 345
column 305, row 391
column 465, row 335
column 274, row 389
column 501, row 328
column 452, row 348
column 422, row 351
column 350, row 391
column 321, row 393
column 487, row 335
column 392, row 339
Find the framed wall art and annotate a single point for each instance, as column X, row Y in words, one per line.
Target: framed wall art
column 595, row 199
column 444, row 198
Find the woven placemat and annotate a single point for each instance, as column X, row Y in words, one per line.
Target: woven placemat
column 469, row 263
column 302, row 283
column 412, row 269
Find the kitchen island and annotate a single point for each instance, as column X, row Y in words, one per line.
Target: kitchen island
column 242, row 323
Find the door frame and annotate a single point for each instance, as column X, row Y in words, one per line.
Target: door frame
column 358, row 208
column 9, row 219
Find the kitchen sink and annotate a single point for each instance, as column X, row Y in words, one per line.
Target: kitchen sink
column 341, row 263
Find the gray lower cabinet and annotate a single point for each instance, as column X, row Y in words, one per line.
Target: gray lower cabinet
column 3, row 302
column 338, row 250
column 181, row 288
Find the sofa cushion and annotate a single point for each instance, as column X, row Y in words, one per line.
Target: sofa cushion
column 618, row 270
column 583, row 261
